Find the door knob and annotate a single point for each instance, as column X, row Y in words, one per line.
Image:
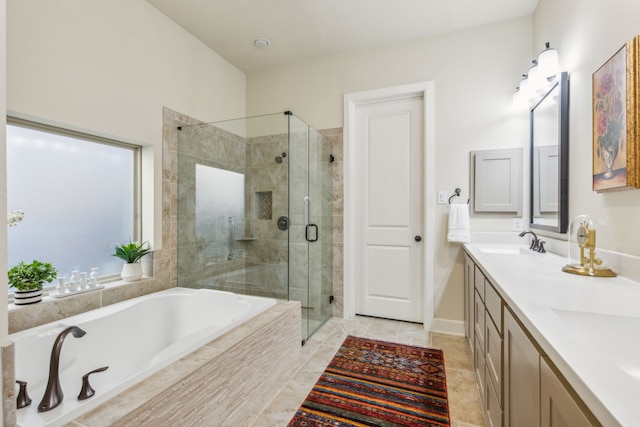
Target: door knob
column 418, row 238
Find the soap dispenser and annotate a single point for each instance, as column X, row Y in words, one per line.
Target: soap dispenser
column 588, row 238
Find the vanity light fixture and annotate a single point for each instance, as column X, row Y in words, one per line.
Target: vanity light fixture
column 541, row 77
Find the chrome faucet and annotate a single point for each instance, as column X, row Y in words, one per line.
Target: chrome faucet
column 53, row 395
column 535, row 242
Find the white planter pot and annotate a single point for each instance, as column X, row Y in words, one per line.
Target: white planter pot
column 131, row 272
column 27, row 297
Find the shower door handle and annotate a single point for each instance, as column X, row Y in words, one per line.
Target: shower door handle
column 308, row 226
column 306, row 210
column 306, row 232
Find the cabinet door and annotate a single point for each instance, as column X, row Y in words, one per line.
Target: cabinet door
column 557, row 406
column 468, row 299
column 493, row 357
column 521, row 376
column 479, row 321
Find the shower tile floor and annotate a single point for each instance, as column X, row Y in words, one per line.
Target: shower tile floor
column 464, row 400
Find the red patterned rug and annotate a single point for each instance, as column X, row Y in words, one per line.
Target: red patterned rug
column 378, row 383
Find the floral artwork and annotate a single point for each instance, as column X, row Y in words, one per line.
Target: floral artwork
column 609, row 123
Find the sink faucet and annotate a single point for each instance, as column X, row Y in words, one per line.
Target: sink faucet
column 53, row 395
column 535, row 243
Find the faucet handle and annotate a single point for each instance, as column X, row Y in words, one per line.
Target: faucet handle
column 541, row 247
column 23, row 397
column 87, row 391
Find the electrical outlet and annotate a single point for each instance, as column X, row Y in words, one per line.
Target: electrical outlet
column 517, row 224
column 442, row 197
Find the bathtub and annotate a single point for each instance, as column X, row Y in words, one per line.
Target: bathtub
column 135, row 339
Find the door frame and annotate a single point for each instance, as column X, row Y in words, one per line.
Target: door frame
column 351, row 103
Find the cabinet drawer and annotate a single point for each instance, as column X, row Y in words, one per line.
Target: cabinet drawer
column 478, row 281
column 480, row 370
column 493, row 358
column 479, row 321
column 493, row 407
column 493, row 302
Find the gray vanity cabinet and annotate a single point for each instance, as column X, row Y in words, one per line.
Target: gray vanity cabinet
column 518, row 384
column 558, row 407
column 487, row 315
column 521, row 376
column 469, row 304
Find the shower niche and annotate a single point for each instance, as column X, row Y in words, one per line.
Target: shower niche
column 237, row 180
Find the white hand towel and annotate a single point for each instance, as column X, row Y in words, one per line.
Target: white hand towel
column 459, row 223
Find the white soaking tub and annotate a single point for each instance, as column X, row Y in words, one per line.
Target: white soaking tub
column 134, row 338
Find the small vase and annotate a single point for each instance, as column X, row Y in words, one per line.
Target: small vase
column 27, row 297
column 131, row 272
column 608, row 158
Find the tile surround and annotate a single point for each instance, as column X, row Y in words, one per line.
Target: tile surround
column 224, row 383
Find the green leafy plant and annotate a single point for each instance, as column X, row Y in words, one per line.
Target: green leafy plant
column 31, row 277
column 131, row 252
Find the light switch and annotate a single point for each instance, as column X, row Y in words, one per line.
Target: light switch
column 442, row 197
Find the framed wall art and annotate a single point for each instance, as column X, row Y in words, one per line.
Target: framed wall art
column 616, row 125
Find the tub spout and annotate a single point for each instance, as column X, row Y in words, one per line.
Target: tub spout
column 53, row 395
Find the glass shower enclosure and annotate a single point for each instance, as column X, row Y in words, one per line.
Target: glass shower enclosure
column 255, row 212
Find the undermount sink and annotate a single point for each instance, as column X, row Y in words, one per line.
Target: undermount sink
column 505, row 250
column 614, row 331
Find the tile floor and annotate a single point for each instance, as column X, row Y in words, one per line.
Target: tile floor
column 464, row 403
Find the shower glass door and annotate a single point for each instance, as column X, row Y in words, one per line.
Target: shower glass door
column 254, row 211
column 310, row 236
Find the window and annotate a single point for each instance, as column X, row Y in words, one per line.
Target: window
column 78, row 193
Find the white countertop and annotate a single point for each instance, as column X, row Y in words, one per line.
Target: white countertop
column 588, row 326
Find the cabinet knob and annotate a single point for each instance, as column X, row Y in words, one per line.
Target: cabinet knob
column 418, row 238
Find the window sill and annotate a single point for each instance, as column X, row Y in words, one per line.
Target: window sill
column 52, row 309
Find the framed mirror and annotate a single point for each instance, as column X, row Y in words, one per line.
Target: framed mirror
column 550, row 159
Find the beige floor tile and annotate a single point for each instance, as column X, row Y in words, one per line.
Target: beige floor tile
column 456, row 351
column 464, row 400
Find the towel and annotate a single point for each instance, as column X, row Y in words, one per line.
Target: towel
column 459, row 223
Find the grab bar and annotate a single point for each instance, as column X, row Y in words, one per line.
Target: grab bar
column 232, row 238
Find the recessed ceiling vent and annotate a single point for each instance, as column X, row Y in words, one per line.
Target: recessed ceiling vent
column 260, row 43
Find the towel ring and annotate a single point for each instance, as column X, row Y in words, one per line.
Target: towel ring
column 457, row 192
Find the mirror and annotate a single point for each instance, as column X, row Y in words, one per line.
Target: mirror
column 550, row 159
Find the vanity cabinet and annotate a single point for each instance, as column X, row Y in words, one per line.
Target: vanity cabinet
column 517, row 382
column 469, row 305
column 521, row 376
column 558, row 407
column 488, row 347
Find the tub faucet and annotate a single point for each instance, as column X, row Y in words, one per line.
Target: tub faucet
column 535, row 243
column 53, row 395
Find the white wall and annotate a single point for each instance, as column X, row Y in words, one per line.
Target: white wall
column 587, row 33
column 109, row 67
column 3, row 190
column 475, row 72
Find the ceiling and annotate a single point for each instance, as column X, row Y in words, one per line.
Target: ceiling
column 300, row 30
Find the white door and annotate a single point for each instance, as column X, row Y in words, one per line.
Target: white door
column 389, row 209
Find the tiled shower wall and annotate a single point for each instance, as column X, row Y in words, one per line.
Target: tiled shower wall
column 266, row 259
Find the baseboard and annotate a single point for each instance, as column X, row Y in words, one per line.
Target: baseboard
column 446, row 326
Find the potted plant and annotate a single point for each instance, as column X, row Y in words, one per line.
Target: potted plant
column 27, row 280
column 131, row 253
